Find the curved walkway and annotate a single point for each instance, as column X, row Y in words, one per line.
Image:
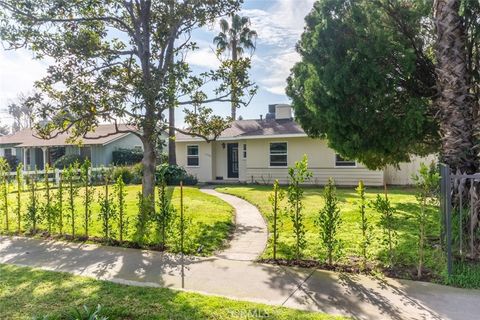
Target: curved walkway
column 250, row 236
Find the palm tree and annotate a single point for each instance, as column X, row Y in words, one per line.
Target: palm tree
column 236, row 38
column 454, row 100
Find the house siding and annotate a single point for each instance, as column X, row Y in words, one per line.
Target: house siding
column 256, row 167
column 102, row 154
column 403, row 174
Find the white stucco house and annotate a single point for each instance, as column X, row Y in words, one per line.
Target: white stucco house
column 33, row 151
column 261, row 150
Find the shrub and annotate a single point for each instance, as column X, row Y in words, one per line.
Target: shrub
column 387, row 222
column 276, row 199
column 165, row 213
column 329, row 221
column 87, row 196
column 19, row 179
column 137, row 172
column 66, row 160
column 32, row 217
column 120, row 194
column 364, row 223
column 298, row 175
column 124, row 172
column 173, row 174
column 107, row 208
column 127, row 156
column 12, row 161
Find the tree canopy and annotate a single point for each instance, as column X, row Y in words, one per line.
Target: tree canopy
column 367, row 78
column 121, row 61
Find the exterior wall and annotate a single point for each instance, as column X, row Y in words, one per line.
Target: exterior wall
column 256, row 167
column 403, row 174
column 102, row 155
column 204, row 172
column 321, row 161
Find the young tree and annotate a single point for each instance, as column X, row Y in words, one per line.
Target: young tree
column 4, row 169
column 387, row 222
column 276, row 199
column 120, row 194
column 87, row 194
column 236, row 38
column 364, row 223
column 427, row 182
column 72, row 192
column 115, row 61
column 329, row 221
column 107, row 208
column 165, row 213
column 32, row 216
column 49, row 210
column 19, row 180
column 298, row 175
column 59, row 205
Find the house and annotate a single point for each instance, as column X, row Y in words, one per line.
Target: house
column 261, row 150
column 98, row 146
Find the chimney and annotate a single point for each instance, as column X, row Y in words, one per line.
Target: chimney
column 261, row 117
column 283, row 111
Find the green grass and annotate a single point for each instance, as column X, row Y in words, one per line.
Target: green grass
column 26, row 292
column 401, row 198
column 212, row 218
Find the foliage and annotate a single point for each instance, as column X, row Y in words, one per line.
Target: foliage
column 145, row 210
column 87, row 195
column 235, row 37
column 297, row 175
column 427, row 182
column 4, row 170
column 329, row 222
column 4, row 186
column 365, row 225
column 276, row 198
column 18, row 209
column 117, row 60
column 107, row 208
column 124, row 172
column 367, row 64
column 387, row 222
column 86, row 314
column 166, row 213
column 120, row 200
column 67, row 160
column 11, row 160
column 173, row 174
column 72, row 191
column 22, row 112
column 122, row 157
column 49, row 210
column 59, row 203
column 32, row 217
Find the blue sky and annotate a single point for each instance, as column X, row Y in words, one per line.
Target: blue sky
column 279, row 24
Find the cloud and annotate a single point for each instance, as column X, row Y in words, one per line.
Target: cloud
column 203, row 57
column 18, row 72
column 279, row 28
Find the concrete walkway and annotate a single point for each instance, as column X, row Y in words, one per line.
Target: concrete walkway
column 250, row 236
column 357, row 296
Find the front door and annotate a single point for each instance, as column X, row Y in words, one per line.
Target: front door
column 232, row 156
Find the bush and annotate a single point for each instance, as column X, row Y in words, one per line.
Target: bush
column 173, row 174
column 66, row 160
column 123, row 157
column 124, row 172
column 137, row 171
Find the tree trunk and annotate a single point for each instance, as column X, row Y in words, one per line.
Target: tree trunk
column 233, row 82
column 148, row 161
column 172, row 155
column 454, row 101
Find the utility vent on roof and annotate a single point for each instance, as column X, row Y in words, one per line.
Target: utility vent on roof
column 278, row 112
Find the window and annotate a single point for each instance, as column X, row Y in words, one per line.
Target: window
column 244, row 151
column 86, row 153
column 192, row 156
column 341, row 162
column 8, row 153
column 278, row 154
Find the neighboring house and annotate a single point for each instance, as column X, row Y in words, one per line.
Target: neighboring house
column 261, row 150
column 97, row 146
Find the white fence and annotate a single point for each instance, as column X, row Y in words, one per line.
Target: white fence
column 54, row 174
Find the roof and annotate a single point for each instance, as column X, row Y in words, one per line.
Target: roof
column 245, row 129
column 103, row 134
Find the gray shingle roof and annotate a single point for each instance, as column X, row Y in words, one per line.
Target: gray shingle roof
column 27, row 138
column 250, row 128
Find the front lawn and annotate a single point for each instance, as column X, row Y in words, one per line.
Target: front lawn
column 209, row 227
column 27, row 292
column 350, row 233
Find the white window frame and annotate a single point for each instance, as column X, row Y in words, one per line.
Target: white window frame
column 193, row 156
column 347, row 166
column 270, row 154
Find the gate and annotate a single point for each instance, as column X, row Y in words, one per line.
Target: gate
column 458, row 205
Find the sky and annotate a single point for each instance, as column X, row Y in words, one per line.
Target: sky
column 279, row 24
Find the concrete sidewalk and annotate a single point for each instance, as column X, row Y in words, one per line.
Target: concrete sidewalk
column 352, row 295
